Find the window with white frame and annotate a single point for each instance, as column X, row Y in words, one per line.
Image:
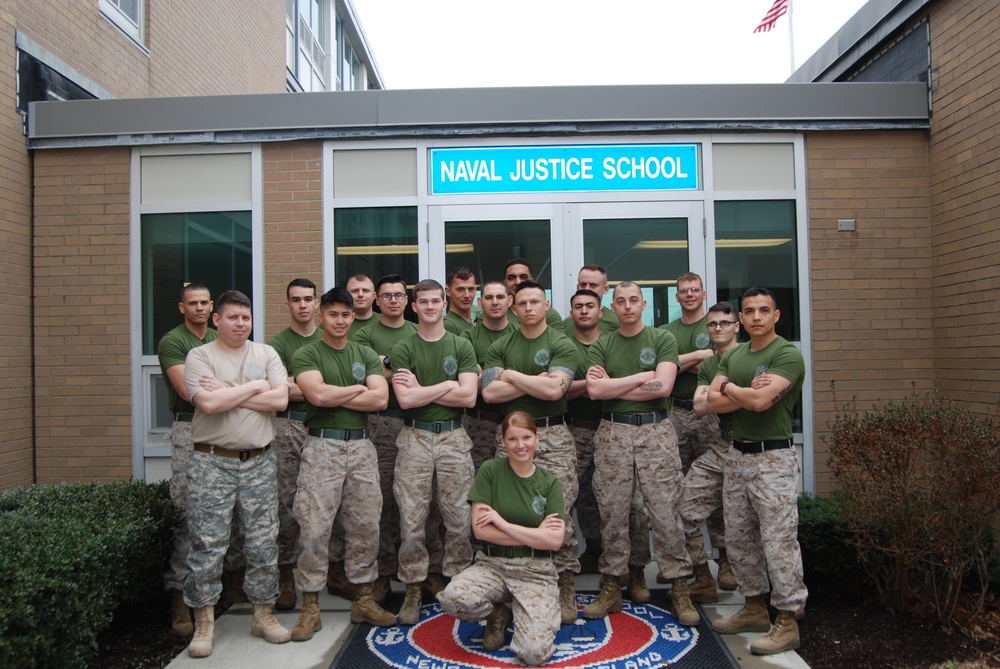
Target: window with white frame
column 128, row 15
column 307, row 37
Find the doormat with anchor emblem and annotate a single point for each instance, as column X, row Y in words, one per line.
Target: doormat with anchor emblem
column 641, row 636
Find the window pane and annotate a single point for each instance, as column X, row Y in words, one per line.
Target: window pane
column 756, row 245
column 486, row 246
column 652, row 252
column 211, row 248
column 376, row 241
column 129, row 8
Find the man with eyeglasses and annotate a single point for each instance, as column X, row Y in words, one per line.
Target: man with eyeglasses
column 531, row 370
column 483, row 420
column 460, row 289
column 362, row 290
column 760, row 382
column 695, row 433
column 702, row 495
column 594, row 278
column 515, row 272
column 434, row 376
column 384, row 425
column 632, row 370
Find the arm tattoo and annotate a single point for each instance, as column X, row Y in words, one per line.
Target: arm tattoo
column 777, row 398
column 490, row 375
column 651, row 386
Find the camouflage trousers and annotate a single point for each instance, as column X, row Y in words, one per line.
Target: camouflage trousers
column 556, row 452
column 287, row 445
column 426, row 458
column 701, row 501
column 384, row 431
column 529, row 584
column 182, row 447
column 760, row 497
column 337, row 475
column 627, row 455
column 587, row 513
column 218, row 486
column 483, row 434
column 697, row 435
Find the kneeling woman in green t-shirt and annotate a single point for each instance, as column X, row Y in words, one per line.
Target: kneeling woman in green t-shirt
column 517, row 512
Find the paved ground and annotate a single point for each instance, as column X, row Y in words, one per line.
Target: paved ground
column 234, row 647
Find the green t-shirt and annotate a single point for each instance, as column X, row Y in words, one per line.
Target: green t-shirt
column 520, row 501
column 286, row 343
column 583, row 408
column 381, row 338
column 455, row 324
column 690, row 338
column 350, row 366
column 482, row 338
column 607, row 323
column 549, row 351
column 172, row 351
column 624, row 356
column 358, row 324
column 709, row 367
column 433, row 362
column 741, row 365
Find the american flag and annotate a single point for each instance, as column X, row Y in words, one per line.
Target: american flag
column 778, row 9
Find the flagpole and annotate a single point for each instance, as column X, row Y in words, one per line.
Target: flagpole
column 791, row 38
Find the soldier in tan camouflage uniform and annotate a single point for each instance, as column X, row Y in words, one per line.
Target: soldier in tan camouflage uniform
column 342, row 381
column 517, row 511
column 760, row 382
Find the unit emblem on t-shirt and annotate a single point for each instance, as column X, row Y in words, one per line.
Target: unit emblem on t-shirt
column 761, row 369
column 450, row 365
column 254, row 371
column 538, row 504
column 542, row 357
column 647, row 355
column 358, row 371
column 701, row 340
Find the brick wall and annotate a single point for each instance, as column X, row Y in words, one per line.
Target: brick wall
column 872, row 327
column 293, row 223
column 965, row 199
column 82, row 352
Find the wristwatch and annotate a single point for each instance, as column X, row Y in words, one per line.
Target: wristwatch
column 387, row 362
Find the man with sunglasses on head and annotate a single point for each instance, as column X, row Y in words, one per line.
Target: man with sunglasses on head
column 695, row 433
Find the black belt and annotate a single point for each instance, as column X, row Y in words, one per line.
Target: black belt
column 392, row 412
column 341, row 435
column 757, row 447
column 636, row 418
column 292, row 415
column 491, row 416
column 515, row 552
column 687, row 405
column 585, row 424
column 727, row 435
column 549, row 421
column 184, row 417
column 436, row 427
column 242, row 455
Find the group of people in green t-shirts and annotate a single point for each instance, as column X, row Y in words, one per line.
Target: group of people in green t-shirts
column 395, row 425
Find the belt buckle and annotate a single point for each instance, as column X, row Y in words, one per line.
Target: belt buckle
column 245, row 455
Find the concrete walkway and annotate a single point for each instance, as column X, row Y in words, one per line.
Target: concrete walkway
column 234, row 647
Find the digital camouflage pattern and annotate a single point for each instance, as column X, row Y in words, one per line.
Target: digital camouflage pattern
column 182, row 446
column 384, row 430
column 287, row 446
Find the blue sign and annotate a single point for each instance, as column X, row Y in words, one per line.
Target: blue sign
column 539, row 169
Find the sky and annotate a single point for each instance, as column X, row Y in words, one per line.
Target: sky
column 487, row 43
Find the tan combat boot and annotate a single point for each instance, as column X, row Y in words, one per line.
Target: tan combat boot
column 337, row 583
column 608, row 601
column 180, row 624
column 409, row 612
column 727, row 580
column 433, row 584
column 590, row 557
column 266, row 627
column 496, row 627
column 366, row 610
column 751, row 618
column 309, row 621
column 637, row 590
column 567, row 598
column 703, row 589
column 381, row 589
column 232, row 585
column 783, row 635
column 204, row 632
column 286, row 588
column 684, row 610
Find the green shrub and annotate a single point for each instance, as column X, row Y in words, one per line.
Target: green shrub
column 918, row 489
column 69, row 555
column 828, row 558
